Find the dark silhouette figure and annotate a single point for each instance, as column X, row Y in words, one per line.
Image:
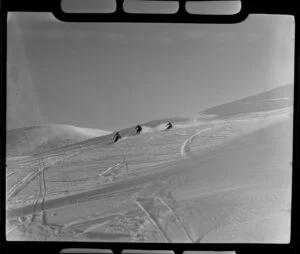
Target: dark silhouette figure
column 169, row 126
column 138, row 129
column 116, row 137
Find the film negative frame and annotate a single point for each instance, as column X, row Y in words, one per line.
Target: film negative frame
column 248, row 7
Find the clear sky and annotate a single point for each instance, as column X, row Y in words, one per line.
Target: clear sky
column 111, row 76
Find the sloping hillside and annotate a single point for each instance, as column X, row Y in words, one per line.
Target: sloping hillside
column 276, row 98
column 35, row 139
column 220, row 179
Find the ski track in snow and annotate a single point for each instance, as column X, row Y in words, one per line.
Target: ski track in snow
column 20, row 185
column 153, row 221
column 110, row 168
column 178, row 220
column 185, row 148
column 11, row 173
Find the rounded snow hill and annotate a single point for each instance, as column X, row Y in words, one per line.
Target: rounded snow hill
column 36, row 139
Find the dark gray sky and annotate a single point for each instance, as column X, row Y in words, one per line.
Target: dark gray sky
column 111, row 76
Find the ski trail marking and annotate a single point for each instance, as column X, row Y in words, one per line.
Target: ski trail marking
column 177, row 218
column 151, row 220
column 11, row 230
column 41, row 166
column 22, row 184
column 185, row 148
column 73, row 223
column 92, row 228
column 44, row 219
column 110, row 168
column 36, row 201
column 11, row 173
column 86, row 219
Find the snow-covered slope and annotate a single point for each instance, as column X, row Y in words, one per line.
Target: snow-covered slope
column 208, row 179
column 276, row 98
column 35, row 139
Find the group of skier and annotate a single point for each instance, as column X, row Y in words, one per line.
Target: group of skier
column 138, row 129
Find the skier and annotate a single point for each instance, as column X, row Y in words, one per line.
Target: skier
column 116, row 137
column 138, row 129
column 169, row 126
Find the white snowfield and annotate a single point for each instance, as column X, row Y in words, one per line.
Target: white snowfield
column 211, row 180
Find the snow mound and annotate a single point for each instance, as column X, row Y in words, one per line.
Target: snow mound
column 35, row 139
